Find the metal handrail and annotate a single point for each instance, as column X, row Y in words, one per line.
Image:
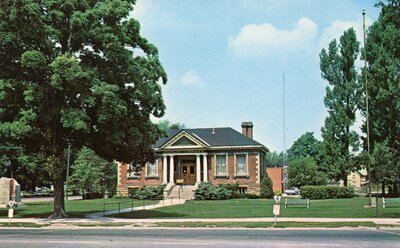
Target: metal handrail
column 115, row 203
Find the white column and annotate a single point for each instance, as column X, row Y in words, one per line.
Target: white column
column 198, row 172
column 171, row 168
column 205, row 168
column 165, row 168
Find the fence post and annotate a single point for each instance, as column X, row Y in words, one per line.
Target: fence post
column 119, row 207
column 132, row 205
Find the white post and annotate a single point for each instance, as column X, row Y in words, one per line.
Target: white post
column 165, row 169
column 171, row 168
column 198, row 175
column 205, row 168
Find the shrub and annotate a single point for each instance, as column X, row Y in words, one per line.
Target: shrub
column 266, row 190
column 207, row 191
column 154, row 193
column 223, row 193
column 234, row 187
column 326, row 192
column 119, row 196
column 251, row 196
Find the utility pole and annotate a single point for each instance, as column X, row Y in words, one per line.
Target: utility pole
column 66, row 181
column 366, row 107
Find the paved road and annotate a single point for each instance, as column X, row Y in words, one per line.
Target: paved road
column 199, row 238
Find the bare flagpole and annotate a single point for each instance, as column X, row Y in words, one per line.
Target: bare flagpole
column 366, row 104
column 285, row 172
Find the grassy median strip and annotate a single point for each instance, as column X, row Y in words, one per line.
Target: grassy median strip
column 22, row 224
column 267, row 224
column 100, row 224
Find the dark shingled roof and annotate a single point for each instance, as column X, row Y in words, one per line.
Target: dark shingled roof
column 223, row 136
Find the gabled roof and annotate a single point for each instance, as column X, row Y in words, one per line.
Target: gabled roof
column 213, row 137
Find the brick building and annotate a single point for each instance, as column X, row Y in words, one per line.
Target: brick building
column 191, row 156
column 276, row 175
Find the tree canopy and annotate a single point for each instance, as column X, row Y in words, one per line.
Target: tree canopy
column 343, row 95
column 305, row 146
column 274, row 159
column 303, row 171
column 383, row 74
column 70, row 74
column 165, row 125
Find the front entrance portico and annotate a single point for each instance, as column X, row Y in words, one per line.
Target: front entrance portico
column 191, row 167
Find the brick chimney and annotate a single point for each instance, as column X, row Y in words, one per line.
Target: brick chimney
column 247, row 129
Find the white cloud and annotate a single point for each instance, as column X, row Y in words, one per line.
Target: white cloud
column 142, row 8
column 191, row 78
column 257, row 40
column 337, row 28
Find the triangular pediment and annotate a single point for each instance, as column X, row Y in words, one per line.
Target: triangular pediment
column 184, row 140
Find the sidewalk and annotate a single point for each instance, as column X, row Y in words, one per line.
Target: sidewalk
column 47, row 199
column 162, row 203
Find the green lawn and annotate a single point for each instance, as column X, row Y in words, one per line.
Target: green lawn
column 253, row 208
column 74, row 208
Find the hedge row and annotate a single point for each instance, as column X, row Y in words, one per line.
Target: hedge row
column 326, row 192
column 154, row 193
column 207, row 191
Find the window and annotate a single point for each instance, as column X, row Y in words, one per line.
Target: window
column 152, row 170
column 241, row 164
column 134, row 170
column 221, row 165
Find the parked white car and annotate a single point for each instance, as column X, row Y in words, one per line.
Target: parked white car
column 292, row 191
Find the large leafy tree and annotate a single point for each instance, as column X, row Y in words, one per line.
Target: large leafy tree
column 305, row 146
column 383, row 57
column 343, row 94
column 69, row 74
column 303, row 171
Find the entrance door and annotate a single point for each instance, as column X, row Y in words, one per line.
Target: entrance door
column 188, row 172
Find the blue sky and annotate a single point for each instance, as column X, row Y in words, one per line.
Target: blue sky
column 225, row 60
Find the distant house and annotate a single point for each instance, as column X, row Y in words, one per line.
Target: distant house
column 357, row 179
column 192, row 156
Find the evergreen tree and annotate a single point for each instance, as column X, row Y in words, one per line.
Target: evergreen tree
column 342, row 97
column 266, row 190
column 383, row 57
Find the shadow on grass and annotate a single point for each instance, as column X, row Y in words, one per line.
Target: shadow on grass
column 390, row 215
column 143, row 214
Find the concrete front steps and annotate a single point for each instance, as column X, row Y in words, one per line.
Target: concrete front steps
column 185, row 192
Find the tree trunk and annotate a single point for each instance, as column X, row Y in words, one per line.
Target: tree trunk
column 59, row 206
column 396, row 189
column 383, row 189
column 345, row 181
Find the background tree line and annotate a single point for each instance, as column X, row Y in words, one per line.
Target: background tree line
column 313, row 162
